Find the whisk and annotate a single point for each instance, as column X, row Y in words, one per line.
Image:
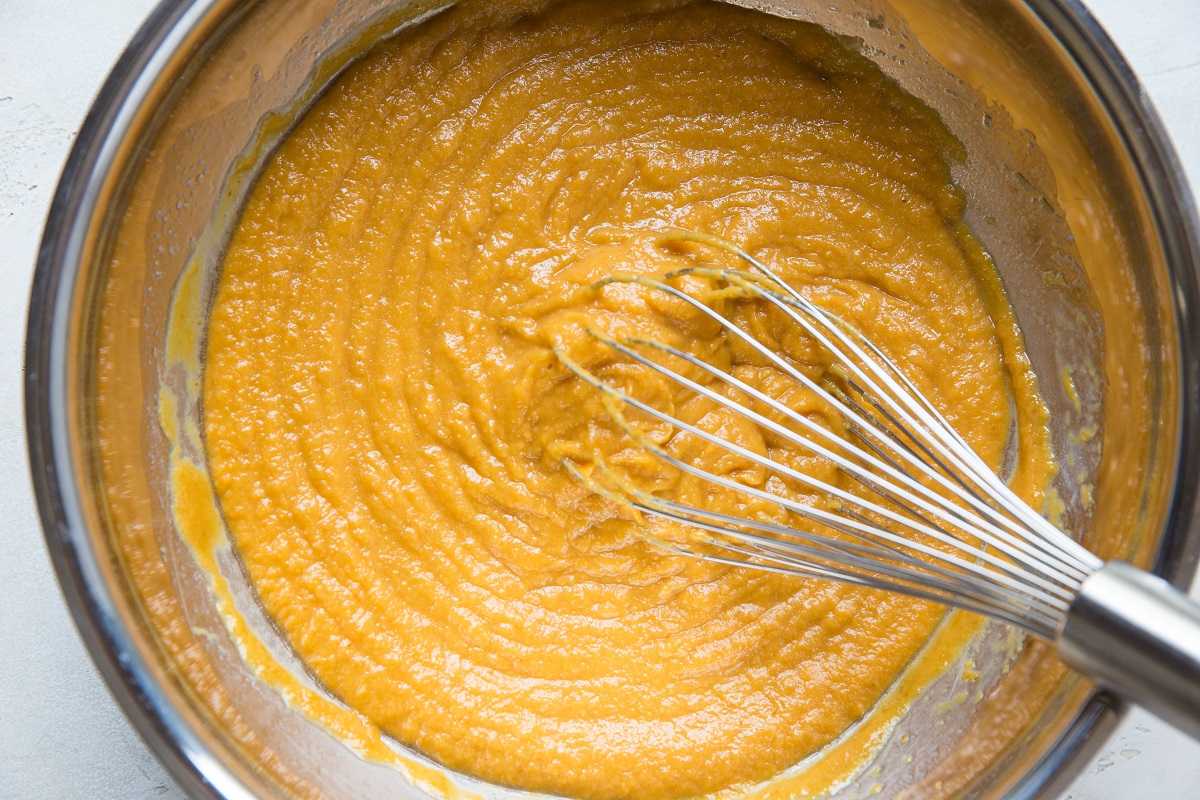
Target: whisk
column 934, row 521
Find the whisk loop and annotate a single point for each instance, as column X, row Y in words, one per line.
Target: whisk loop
column 944, row 527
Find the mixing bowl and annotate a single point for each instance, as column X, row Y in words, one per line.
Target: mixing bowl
column 1071, row 185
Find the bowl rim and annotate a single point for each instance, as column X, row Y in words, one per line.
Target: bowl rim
column 192, row 758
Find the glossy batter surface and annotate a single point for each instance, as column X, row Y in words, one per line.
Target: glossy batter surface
column 384, row 414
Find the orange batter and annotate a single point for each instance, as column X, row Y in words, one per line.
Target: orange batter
column 384, row 415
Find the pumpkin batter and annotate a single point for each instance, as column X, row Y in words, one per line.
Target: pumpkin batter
column 384, row 415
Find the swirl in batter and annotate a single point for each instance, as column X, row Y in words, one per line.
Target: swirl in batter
column 384, row 415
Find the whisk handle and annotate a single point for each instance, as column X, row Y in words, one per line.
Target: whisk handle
column 1139, row 636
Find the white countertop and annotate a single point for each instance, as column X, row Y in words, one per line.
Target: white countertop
column 61, row 734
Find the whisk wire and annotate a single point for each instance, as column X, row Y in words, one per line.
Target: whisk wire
column 905, row 394
column 938, row 582
column 944, row 526
column 902, row 496
column 998, row 538
column 912, row 413
column 850, row 554
column 808, row 554
column 1002, row 572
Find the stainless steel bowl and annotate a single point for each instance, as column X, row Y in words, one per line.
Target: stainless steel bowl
column 152, row 184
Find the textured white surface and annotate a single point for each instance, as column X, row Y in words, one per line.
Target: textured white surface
column 61, row 734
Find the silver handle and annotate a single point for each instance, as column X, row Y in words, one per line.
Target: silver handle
column 1139, row 636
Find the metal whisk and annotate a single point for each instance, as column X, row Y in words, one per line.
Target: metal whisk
column 930, row 518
